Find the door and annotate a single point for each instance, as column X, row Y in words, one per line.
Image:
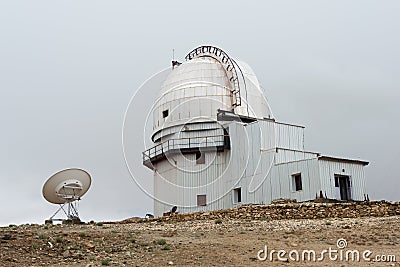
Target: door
column 342, row 184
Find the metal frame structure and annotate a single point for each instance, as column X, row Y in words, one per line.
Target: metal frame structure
column 229, row 64
column 71, row 202
column 185, row 145
column 71, row 213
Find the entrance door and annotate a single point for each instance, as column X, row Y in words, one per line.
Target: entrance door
column 342, row 184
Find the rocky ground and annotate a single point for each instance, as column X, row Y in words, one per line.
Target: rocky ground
column 219, row 242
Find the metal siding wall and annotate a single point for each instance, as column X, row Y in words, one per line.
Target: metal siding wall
column 255, row 184
column 279, row 185
column 289, row 136
column 163, row 190
column 198, row 179
column 310, row 179
column 201, row 133
column 283, row 156
column 328, row 169
column 267, row 133
column 253, row 140
column 238, row 167
column 237, row 161
column 190, row 127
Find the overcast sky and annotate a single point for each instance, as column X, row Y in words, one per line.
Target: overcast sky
column 68, row 70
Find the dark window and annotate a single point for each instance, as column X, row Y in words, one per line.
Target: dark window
column 200, row 158
column 165, row 113
column 237, row 195
column 297, row 184
column 201, row 200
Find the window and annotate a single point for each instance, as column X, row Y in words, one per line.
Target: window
column 296, row 181
column 237, row 195
column 165, row 113
column 200, row 158
column 201, row 200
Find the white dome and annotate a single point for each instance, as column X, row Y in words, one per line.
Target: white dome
column 254, row 103
column 193, row 92
column 196, row 89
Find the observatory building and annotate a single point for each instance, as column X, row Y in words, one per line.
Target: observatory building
column 218, row 145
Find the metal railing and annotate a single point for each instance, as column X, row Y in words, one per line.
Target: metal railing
column 185, row 143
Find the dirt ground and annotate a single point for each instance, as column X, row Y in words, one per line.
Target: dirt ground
column 199, row 243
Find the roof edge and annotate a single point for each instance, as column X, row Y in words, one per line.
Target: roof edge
column 337, row 159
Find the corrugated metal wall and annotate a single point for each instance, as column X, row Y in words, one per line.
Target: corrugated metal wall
column 328, row 169
column 282, row 180
column 287, row 155
column 289, row 136
column 164, row 188
column 253, row 163
column 167, row 132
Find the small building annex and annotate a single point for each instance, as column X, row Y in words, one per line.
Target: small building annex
column 217, row 144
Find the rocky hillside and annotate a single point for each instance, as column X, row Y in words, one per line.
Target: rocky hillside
column 230, row 237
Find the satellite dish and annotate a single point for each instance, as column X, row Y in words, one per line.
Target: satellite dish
column 65, row 188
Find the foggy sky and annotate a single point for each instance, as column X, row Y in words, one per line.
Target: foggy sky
column 68, row 70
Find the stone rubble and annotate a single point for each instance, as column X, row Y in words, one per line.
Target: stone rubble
column 289, row 210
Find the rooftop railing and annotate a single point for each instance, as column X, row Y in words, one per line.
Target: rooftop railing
column 185, row 144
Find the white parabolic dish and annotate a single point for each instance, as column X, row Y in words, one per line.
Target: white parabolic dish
column 66, row 186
